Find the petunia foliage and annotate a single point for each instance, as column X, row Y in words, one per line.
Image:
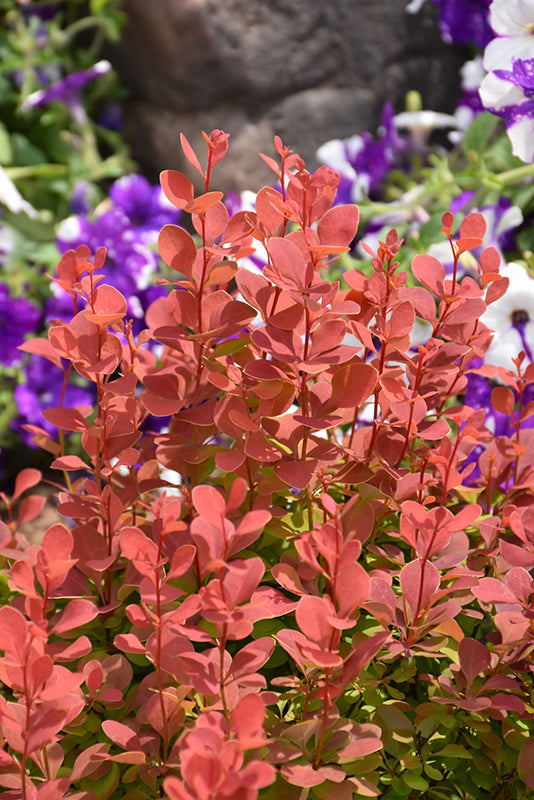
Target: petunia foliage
column 333, row 599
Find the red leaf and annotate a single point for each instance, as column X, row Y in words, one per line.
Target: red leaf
column 210, row 504
column 247, row 721
column 353, row 384
column 108, row 305
column 140, row 550
column 12, row 631
column 177, row 249
column 42, row 347
column 338, row 225
column 474, row 658
column 429, row 271
column 190, row 154
column 69, row 463
column 204, row 202
column 473, row 226
column 312, row 615
column 492, row 590
column 418, row 583
column 75, row 614
column 26, row 479
column 121, row 734
column 67, row 419
column 297, row 474
column 503, row 400
column 30, row 508
column 177, row 188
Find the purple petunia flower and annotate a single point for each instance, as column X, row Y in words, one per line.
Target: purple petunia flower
column 68, row 91
column 465, row 21
column 42, row 387
column 17, row 318
column 363, row 160
column 145, row 207
column 510, row 94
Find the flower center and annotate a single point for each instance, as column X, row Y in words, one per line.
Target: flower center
column 519, row 317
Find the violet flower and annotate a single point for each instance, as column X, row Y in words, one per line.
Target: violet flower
column 18, row 317
column 510, row 94
column 67, row 91
column 465, row 21
column 144, row 206
column 512, row 22
column 363, row 160
column 41, row 389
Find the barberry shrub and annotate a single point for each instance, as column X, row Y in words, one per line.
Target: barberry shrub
column 337, row 601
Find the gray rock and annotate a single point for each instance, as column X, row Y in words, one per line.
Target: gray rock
column 307, row 70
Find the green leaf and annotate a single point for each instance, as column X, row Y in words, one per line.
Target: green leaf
column 433, row 773
column 479, row 132
column 415, row 781
column 453, row 751
column 6, row 151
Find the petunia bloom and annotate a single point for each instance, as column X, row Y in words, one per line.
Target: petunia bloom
column 513, row 22
column 464, row 21
column 68, row 91
column 510, row 94
column 17, row 318
column 511, row 317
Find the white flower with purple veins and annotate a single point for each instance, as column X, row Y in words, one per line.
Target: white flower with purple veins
column 513, row 22
column 512, row 319
column 68, row 91
column 510, row 94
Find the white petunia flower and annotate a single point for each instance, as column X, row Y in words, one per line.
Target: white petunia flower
column 512, row 319
column 513, row 22
column 12, row 198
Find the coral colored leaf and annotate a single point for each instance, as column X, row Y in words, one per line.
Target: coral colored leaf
column 204, row 202
column 312, row 615
column 251, row 657
column 247, row 721
column 76, row 613
column 474, row 658
column 339, row 225
column 492, row 590
column 177, row 188
column 303, row 775
column 42, row 347
column 176, row 790
column 139, row 549
column 177, row 249
column 190, row 154
column 30, row 508
column 297, row 474
column 490, row 260
column 496, row 290
column 209, row 503
column 418, row 582
column 182, row 559
column 229, row 460
column 519, row 581
column 12, row 631
column 473, row 226
column 447, row 220
column 288, row 261
column 69, row 463
column 129, row 643
column 121, row 734
column 353, row 384
column 503, row 400
column 66, row 419
column 430, row 272
column 26, row 479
